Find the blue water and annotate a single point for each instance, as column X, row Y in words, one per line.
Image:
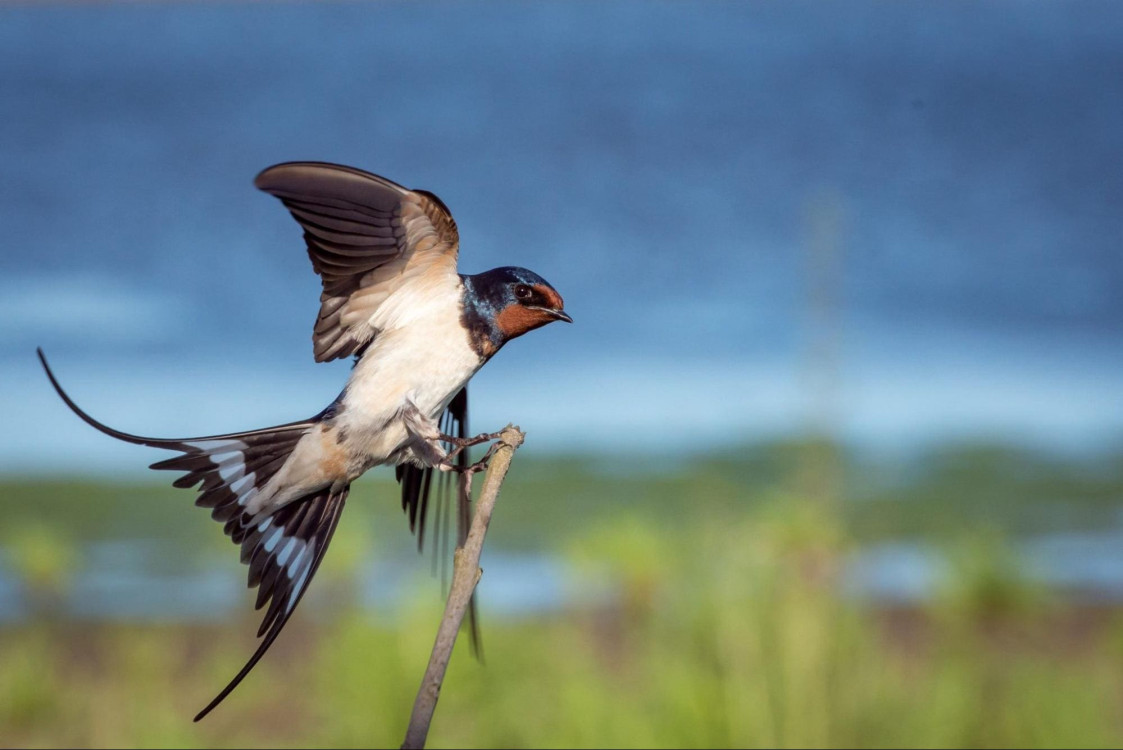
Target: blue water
column 132, row 580
column 946, row 176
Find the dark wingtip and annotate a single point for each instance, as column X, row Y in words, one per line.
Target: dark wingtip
column 475, row 638
column 320, row 178
column 262, row 180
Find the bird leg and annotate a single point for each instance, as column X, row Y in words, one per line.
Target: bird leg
column 483, row 462
column 425, row 437
column 462, row 444
column 427, row 442
column 459, row 444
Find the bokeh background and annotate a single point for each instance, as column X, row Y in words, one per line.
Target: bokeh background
column 833, row 454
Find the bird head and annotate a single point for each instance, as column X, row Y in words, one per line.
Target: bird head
column 513, row 301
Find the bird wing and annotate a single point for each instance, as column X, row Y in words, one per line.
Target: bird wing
column 416, row 482
column 417, row 487
column 366, row 237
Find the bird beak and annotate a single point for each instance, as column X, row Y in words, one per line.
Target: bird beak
column 552, row 312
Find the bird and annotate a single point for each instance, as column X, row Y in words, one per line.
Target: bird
column 418, row 331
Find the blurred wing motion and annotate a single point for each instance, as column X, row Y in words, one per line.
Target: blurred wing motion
column 417, row 486
column 283, row 546
column 367, row 237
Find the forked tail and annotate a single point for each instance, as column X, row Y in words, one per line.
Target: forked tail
column 282, row 546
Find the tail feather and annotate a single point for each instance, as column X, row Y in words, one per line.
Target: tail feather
column 229, row 469
column 284, row 551
column 172, row 443
column 282, row 546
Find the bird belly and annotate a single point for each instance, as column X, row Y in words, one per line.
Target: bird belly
column 418, row 367
column 338, row 451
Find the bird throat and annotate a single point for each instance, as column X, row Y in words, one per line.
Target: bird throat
column 478, row 316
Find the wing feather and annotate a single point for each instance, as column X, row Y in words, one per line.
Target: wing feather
column 417, row 486
column 364, row 234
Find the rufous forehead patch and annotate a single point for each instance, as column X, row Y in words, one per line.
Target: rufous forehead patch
column 553, row 299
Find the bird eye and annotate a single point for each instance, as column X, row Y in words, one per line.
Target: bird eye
column 522, row 291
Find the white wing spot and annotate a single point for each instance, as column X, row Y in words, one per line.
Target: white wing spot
column 281, row 558
column 232, row 469
column 294, row 564
column 276, row 537
column 239, row 486
column 299, row 584
column 248, row 496
column 218, row 447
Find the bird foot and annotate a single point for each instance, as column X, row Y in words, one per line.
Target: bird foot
column 460, row 444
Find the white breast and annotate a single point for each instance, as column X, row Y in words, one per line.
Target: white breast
column 423, row 355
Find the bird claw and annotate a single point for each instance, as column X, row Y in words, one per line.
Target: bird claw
column 460, row 444
column 463, row 443
column 483, row 437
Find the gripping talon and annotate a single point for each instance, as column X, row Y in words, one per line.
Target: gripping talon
column 483, row 462
column 447, row 465
column 459, row 444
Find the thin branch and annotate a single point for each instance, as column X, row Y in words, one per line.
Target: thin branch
column 466, row 574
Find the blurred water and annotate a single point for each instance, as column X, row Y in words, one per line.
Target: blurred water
column 131, row 580
column 664, row 165
column 137, row 580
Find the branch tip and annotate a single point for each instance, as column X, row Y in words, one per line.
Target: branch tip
column 465, row 560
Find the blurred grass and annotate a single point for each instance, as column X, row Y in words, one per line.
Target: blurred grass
column 933, row 494
column 722, row 622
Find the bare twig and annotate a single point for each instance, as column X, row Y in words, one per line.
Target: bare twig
column 466, row 574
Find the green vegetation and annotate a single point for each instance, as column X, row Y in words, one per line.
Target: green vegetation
column 720, row 619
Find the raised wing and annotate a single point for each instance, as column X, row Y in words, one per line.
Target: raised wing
column 366, row 237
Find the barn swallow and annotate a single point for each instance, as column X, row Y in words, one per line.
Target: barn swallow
column 418, row 330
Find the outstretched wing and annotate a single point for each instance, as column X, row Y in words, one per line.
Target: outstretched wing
column 417, row 488
column 367, row 237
